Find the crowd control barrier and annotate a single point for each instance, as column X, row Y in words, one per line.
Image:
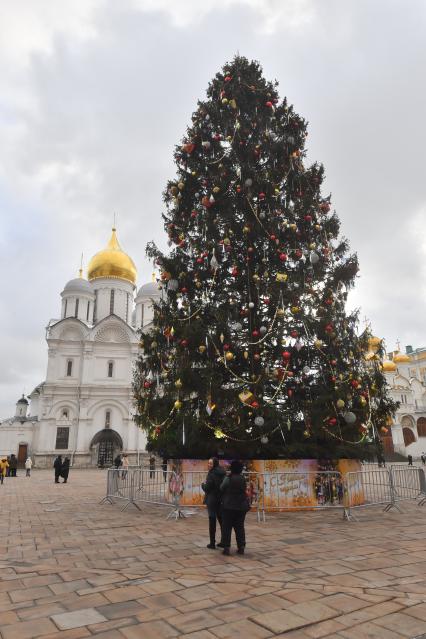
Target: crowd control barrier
column 271, row 491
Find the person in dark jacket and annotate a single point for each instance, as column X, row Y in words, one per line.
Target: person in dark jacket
column 213, row 498
column 13, row 465
column 57, row 465
column 65, row 469
column 235, row 505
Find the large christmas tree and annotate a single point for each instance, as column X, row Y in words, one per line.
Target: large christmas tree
column 252, row 353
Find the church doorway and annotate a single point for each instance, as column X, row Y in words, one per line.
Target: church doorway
column 22, row 455
column 105, row 446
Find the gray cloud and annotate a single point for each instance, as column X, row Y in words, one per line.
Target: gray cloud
column 96, row 96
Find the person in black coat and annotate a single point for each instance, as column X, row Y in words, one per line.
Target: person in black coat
column 57, row 465
column 65, row 469
column 235, row 505
column 213, row 498
column 13, row 465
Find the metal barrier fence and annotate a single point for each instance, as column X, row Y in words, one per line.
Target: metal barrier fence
column 272, row 492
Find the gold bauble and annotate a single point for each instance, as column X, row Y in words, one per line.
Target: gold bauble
column 216, row 189
column 201, row 348
column 178, row 383
column 178, row 404
column 229, row 356
column 280, row 312
column 340, row 403
column 225, row 101
column 295, row 310
column 181, row 186
column 318, row 343
column 246, row 354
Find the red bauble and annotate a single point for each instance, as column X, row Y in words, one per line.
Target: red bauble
column 283, row 257
column 298, row 253
column 266, row 300
column 234, row 272
column 217, row 136
column 269, row 104
column 354, row 383
column 262, row 196
column 184, row 290
column 254, row 404
column 194, row 213
column 226, row 347
column 328, row 328
column 228, row 78
column 206, row 202
column 184, row 342
column 325, row 207
column 308, row 218
column 332, row 421
column 238, row 189
column 146, row 384
column 290, row 392
column 329, row 301
column 199, row 260
column 332, row 378
column 273, row 238
column 294, row 333
column 255, row 333
column 286, row 355
column 333, row 362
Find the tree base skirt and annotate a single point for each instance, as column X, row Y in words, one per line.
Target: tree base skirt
column 279, row 484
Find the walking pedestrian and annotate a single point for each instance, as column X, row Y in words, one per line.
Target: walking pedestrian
column 57, row 465
column 13, row 465
column 4, row 465
column 117, row 461
column 8, row 466
column 235, row 505
column 410, row 460
column 28, row 466
column 125, row 465
column 213, row 499
column 65, row 469
column 423, row 458
column 151, row 466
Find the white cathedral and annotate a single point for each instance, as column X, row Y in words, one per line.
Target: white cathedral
column 83, row 409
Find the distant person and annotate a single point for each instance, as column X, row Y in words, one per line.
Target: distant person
column 125, row 465
column 8, row 466
column 118, row 462
column 101, row 462
column 213, row 498
column 423, row 458
column 410, row 460
column 4, row 466
column 28, row 466
column 57, row 465
column 151, row 466
column 65, row 469
column 164, row 467
column 13, row 465
column 235, row 505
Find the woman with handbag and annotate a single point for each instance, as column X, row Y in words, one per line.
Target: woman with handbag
column 235, row 505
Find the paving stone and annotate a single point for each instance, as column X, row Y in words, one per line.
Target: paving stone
column 121, row 609
column 406, row 625
column 190, row 621
column 28, row 629
column 241, row 629
column 280, row 621
column 77, row 618
column 27, row 594
column 150, row 630
column 369, row 630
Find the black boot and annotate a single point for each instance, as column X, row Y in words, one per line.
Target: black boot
column 212, row 533
column 226, row 551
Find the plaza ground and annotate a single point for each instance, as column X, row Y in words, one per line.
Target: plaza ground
column 71, row 567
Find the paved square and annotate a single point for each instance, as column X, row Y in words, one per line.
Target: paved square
column 72, row 568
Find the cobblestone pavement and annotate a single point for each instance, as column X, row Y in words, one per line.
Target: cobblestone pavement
column 71, row 567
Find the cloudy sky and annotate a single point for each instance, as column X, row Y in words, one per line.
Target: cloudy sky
column 95, row 93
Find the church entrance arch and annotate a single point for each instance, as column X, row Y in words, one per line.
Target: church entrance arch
column 105, row 446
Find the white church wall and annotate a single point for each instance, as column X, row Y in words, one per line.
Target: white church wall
column 11, row 435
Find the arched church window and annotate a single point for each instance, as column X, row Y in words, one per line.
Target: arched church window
column 111, row 302
column 65, row 414
column 110, row 369
column 107, row 419
column 69, row 368
column 76, row 307
column 409, row 437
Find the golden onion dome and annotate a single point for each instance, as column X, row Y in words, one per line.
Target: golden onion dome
column 112, row 262
column 401, row 358
column 389, row 366
column 374, row 342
